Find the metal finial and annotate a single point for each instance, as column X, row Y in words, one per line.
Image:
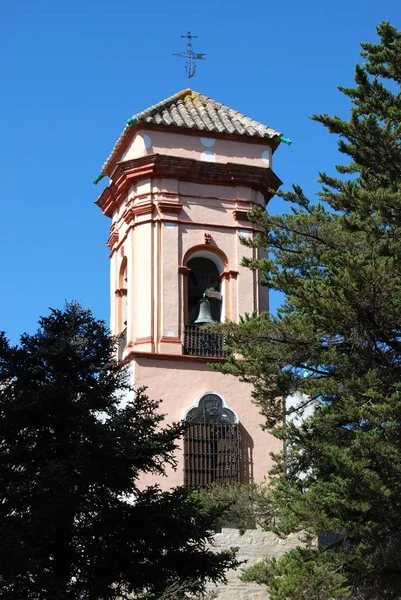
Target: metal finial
column 190, row 55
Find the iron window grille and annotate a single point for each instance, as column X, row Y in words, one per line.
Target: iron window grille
column 211, row 444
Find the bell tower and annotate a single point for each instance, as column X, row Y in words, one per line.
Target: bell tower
column 183, row 176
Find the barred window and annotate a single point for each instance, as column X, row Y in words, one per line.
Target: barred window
column 211, row 444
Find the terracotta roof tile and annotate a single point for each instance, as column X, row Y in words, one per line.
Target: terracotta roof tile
column 191, row 110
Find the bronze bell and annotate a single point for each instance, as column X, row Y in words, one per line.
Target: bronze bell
column 204, row 315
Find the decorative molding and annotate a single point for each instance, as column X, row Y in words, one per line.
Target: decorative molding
column 143, row 209
column 210, row 247
column 213, row 249
column 137, row 210
column 171, row 340
column 184, row 270
column 208, row 238
column 251, row 227
column 161, row 195
column 113, row 240
column 126, row 173
column 121, row 292
column 170, row 208
column 229, row 275
column 129, row 215
column 174, row 357
column 143, row 340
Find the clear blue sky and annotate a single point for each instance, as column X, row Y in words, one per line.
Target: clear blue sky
column 72, row 73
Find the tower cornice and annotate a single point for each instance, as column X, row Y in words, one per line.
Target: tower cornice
column 127, row 173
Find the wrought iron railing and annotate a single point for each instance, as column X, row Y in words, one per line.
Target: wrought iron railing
column 122, row 342
column 198, row 341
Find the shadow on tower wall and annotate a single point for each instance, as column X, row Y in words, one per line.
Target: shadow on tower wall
column 245, row 455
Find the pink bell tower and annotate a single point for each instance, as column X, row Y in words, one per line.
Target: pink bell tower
column 183, row 176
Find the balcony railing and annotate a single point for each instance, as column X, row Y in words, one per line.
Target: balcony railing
column 200, row 342
column 122, row 342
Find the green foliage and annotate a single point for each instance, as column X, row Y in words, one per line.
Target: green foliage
column 301, row 573
column 241, row 505
column 74, row 522
column 336, row 342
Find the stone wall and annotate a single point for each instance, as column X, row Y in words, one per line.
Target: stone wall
column 254, row 545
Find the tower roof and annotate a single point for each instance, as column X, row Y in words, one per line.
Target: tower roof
column 191, row 110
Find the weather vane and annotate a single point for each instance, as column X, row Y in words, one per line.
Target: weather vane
column 190, row 55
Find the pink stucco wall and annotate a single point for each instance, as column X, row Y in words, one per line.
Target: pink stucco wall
column 180, row 384
column 199, row 148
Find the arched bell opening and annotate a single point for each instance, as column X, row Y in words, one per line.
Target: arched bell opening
column 204, row 292
column 204, row 302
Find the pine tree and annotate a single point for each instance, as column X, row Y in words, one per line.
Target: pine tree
column 336, row 345
column 74, row 523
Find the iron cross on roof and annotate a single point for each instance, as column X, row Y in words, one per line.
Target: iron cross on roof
column 190, row 55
